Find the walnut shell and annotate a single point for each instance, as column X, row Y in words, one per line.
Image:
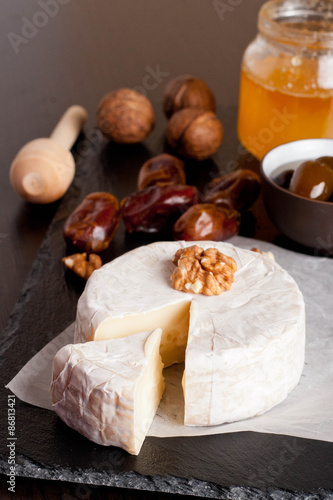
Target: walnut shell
column 194, row 133
column 187, row 92
column 125, row 116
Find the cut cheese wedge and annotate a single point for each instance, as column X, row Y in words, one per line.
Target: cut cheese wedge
column 109, row 391
column 243, row 349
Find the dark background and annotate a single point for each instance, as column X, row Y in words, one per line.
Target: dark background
column 85, row 49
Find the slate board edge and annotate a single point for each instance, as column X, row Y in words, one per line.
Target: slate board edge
column 169, row 484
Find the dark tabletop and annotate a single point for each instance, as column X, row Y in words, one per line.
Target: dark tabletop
column 55, row 53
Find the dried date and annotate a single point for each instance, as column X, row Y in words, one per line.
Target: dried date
column 163, row 168
column 154, row 209
column 312, row 179
column 92, row 225
column 206, row 221
column 240, row 189
column 283, row 179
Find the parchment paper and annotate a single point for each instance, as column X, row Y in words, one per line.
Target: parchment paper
column 307, row 411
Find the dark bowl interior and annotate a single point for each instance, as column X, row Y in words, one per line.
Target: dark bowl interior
column 308, row 222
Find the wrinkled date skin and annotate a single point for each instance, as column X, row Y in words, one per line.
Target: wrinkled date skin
column 239, row 189
column 164, row 168
column 155, row 208
column 206, row 221
column 92, row 225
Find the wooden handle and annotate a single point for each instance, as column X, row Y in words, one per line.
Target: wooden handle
column 44, row 168
column 68, row 128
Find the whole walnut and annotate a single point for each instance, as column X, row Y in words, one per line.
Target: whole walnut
column 187, row 92
column 194, row 133
column 125, row 116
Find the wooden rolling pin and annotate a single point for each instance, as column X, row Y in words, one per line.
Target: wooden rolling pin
column 43, row 169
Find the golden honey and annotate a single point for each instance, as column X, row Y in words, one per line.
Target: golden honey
column 286, row 87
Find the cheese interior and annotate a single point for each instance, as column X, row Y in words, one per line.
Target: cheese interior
column 172, row 319
column 148, row 392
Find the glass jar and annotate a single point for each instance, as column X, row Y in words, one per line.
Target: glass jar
column 286, row 88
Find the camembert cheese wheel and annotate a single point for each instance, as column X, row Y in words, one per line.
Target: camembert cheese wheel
column 109, row 391
column 243, row 349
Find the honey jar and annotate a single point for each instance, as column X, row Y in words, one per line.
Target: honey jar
column 286, row 87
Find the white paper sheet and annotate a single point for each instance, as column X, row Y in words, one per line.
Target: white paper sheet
column 307, row 411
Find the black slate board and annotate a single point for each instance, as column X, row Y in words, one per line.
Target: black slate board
column 238, row 465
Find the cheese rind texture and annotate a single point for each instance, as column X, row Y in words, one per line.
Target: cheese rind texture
column 244, row 348
column 109, row 391
column 230, row 380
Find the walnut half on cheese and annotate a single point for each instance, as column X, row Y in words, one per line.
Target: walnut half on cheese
column 109, row 391
column 209, row 272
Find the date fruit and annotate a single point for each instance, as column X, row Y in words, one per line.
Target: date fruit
column 206, row 221
column 92, row 225
column 164, row 168
column 154, row 209
column 327, row 160
column 313, row 180
column 240, row 189
column 283, row 178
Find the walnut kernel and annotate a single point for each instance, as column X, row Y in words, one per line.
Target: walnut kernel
column 268, row 254
column 209, row 272
column 79, row 264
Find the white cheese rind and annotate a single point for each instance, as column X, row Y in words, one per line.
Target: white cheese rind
column 245, row 349
column 226, row 380
column 109, row 391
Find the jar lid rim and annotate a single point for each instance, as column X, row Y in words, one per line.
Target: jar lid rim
column 299, row 22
